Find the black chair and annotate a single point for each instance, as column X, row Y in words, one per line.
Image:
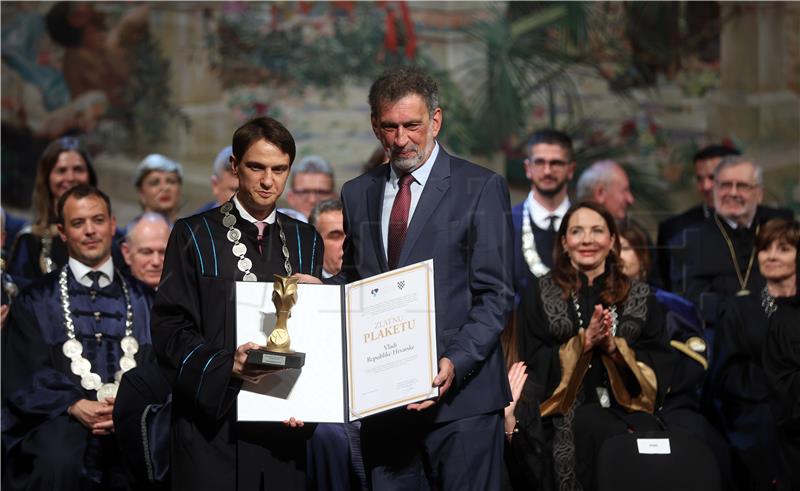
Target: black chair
column 689, row 466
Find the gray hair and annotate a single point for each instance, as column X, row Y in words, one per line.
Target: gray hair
column 311, row 164
column 734, row 160
column 154, row 162
column 597, row 174
column 399, row 82
column 148, row 217
column 324, row 207
column 222, row 163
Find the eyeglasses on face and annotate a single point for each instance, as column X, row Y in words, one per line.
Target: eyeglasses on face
column 307, row 193
column 554, row 163
column 742, row 186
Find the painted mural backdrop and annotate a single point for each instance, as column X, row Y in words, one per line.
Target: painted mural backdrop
column 116, row 74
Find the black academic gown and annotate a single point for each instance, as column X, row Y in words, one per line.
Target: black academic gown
column 45, row 447
column 740, row 391
column 705, row 267
column 194, row 333
column 781, row 360
column 671, row 235
column 571, row 438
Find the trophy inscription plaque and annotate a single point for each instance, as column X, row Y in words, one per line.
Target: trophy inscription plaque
column 278, row 352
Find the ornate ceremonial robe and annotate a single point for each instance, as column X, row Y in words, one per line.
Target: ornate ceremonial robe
column 194, row 333
column 543, row 239
column 39, row 386
column 567, row 384
column 24, row 263
column 704, row 268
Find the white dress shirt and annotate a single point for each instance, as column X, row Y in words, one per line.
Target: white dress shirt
column 250, row 218
column 540, row 215
column 81, row 272
column 393, row 187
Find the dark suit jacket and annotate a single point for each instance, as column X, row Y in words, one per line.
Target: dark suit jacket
column 706, row 268
column 463, row 222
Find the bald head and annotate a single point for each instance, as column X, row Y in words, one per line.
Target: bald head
column 606, row 182
column 144, row 247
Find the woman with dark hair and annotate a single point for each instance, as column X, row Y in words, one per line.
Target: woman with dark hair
column 596, row 348
column 781, row 360
column 739, row 382
column 38, row 249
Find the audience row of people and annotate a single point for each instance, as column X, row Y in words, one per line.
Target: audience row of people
column 603, row 315
column 612, row 335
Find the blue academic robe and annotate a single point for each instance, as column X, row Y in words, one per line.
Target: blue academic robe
column 45, row 447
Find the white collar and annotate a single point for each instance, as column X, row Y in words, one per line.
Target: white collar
column 325, row 274
column 80, row 270
column 539, row 214
column 250, row 218
column 735, row 225
column 421, row 173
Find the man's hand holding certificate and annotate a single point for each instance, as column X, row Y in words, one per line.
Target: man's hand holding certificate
column 370, row 346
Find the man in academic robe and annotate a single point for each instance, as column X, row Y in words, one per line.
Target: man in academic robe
column 671, row 231
column 549, row 166
column 71, row 336
column 719, row 261
column 428, row 204
column 194, row 322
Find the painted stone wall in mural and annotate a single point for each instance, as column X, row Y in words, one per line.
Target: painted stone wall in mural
column 629, row 81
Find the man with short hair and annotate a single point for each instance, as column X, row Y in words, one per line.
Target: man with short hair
column 144, row 247
column 194, row 322
column 328, row 219
column 671, row 231
column 70, row 337
column 223, row 183
column 720, row 257
column 310, row 182
column 549, row 166
column 607, row 183
column 427, row 204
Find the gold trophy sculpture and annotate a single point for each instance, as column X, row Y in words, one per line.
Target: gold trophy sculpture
column 279, row 353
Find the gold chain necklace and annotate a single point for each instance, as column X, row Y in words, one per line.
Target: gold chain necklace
column 742, row 280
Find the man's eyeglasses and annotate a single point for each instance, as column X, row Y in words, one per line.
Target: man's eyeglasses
column 730, row 185
column 555, row 163
column 318, row 193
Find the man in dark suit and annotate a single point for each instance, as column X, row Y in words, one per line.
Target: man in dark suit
column 549, row 166
column 428, row 204
column 671, row 231
column 719, row 260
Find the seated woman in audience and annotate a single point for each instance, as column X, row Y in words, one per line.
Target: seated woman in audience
column 781, row 360
column 739, row 383
column 38, row 248
column 159, row 181
column 595, row 345
column 681, row 407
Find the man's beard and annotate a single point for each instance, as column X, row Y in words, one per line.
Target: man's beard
column 550, row 193
column 408, row 164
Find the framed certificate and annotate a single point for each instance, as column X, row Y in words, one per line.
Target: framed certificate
column 369, row 346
